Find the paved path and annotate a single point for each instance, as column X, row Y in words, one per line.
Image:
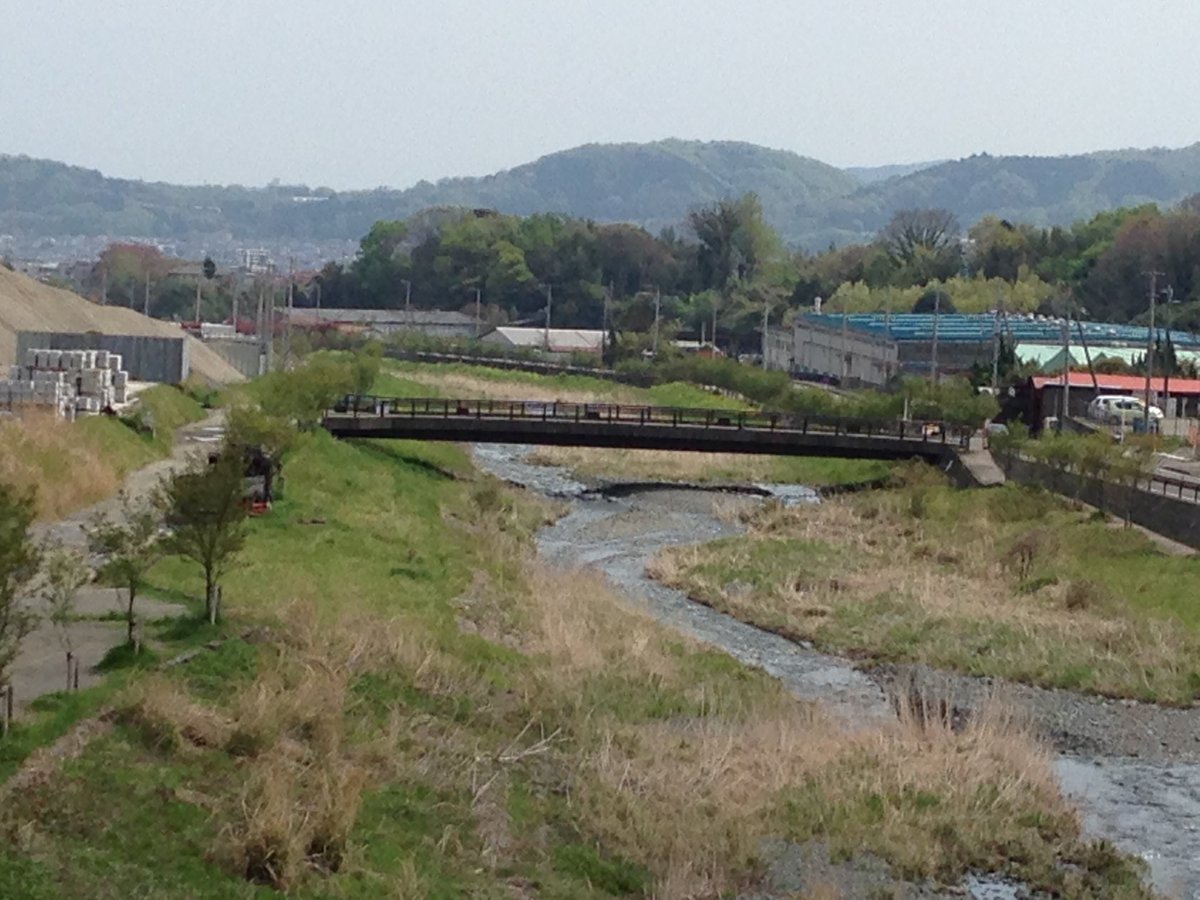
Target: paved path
column 40, row 667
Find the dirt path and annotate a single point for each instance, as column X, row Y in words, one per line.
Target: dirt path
column 40, row 667
column 190, row 440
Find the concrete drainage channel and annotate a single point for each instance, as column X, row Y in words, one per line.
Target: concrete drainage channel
column 1148, row 804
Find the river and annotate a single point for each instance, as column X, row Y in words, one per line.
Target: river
column 1148, row 804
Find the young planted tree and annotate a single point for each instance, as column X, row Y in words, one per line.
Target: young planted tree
column 64, row 572
column 207, row 519
column 128, row 545
column 19, row 561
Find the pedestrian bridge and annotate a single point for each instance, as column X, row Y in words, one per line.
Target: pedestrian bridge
column 623, row 426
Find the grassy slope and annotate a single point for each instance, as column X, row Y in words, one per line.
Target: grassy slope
column 1005, row 582
column 509, row 728
column 75, row 464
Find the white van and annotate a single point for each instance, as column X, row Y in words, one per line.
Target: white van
column 1119, row 409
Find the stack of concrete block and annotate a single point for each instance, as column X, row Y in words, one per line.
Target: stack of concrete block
column 67, row 381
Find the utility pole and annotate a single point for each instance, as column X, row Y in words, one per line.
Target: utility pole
column 845, row 353
column 146, row 296
column 287, row 334
column 408, row 304
column 713, row 336
column 234, row 312
column 937, row 314
column 996, row 343
column 1150, row 348
column 198, row 283
column 270, row 317
column 1066, row 394
column 766, row 316
column 318, row 280
column 104, row 282
column 549, row 303
column 657, row 314
column 478, row 307
column 608, row 292
column 260, row 331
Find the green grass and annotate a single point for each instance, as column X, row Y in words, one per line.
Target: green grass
column 1097, row 608
column 408, row 539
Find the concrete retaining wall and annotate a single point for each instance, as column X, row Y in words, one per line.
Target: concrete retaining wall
column 162, row 359
column 1178, row 520
column 245, row 356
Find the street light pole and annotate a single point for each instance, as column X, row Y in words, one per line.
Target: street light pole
column 478, row 306
column 549, row 302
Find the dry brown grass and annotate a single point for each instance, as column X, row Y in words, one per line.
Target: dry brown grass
column 692, row 797
column 68, row 470
column 698, row 799
column 456, row 384
column 665, row 465
column 580, row 627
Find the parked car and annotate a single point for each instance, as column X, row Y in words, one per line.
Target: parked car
column 1119, row 409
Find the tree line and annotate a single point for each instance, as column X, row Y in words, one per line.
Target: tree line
column 725, row 269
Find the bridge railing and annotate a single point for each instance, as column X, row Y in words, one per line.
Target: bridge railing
column 635, row 414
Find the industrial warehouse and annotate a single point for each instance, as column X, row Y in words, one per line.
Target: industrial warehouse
column 869, row 349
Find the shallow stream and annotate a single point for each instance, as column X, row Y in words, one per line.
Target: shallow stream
column 1148, row 808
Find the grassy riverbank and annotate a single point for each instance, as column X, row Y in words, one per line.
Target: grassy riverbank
column 75, row 464
column 405, row 703
column 1007, row 582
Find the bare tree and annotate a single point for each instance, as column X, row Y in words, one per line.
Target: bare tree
column 64, row 572
column 129, row 546
column 19, row 561
column 924, row 242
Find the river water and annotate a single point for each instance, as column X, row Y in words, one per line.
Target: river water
column 1150, row 809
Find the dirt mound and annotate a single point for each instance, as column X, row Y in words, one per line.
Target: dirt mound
column 28, row 305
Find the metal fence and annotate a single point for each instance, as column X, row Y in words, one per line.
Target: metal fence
column 632, row 414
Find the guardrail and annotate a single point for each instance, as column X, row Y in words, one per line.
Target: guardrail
column 633, row 414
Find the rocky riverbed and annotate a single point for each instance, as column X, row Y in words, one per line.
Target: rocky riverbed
column 1133, row 768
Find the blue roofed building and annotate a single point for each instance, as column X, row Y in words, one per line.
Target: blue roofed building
column 871, row 348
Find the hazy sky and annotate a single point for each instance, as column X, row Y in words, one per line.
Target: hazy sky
column 366, row 93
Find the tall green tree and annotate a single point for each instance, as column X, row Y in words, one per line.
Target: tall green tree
column 19, row 561
column 207, row 519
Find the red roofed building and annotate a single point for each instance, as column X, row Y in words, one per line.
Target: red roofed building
column 1177, row 397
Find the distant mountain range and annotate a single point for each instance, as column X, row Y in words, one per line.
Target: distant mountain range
column 809, row 202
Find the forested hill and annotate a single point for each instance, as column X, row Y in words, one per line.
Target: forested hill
column 650, row 184
column 1037, row 190
column 809, row 202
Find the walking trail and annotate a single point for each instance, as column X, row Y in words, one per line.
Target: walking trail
column 40, row 667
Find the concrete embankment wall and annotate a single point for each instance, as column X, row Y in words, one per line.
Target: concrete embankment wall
column 1178, row 520
column 162, row 359
column 245, row 356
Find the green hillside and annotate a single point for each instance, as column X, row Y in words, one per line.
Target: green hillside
column 654, row 185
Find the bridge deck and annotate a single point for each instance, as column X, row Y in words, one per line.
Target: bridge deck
column 639, row 427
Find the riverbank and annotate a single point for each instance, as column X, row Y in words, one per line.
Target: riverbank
column 403, row 700
column 1010, row 583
